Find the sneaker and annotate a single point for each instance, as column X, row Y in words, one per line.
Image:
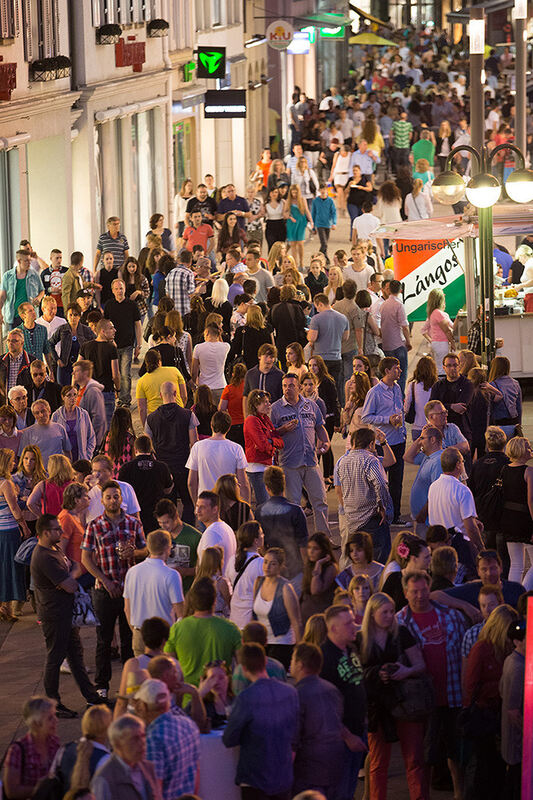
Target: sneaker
column 62, row 712
column 103, row 693
column 405, row 521
column 65, row 669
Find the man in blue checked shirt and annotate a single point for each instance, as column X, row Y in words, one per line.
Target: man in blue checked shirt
column 172, row 741
column 383, row 408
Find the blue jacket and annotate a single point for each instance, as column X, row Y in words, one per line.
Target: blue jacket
column 277, row 616
column 84, row 430
column 324, row 212
column 34, row 287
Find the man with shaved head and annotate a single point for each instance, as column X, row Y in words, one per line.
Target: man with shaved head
column 172, row 430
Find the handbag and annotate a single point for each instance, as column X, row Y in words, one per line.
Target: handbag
column 82, row 613
column 490, row 505
column 25, row 550
column 415, row 698
column 411, row 411
column 475, row 721
column 237, row 359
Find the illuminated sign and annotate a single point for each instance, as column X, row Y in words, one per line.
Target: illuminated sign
column 211, row 62
column 332, row 33
column 300, row 45
column 225, row 103
column 279, row 34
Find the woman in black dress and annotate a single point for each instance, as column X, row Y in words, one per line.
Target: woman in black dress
column 517, row 522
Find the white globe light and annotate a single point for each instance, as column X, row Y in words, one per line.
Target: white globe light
column 448, row 188
column 483, row 191
column 519, row 185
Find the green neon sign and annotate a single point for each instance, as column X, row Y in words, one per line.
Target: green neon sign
column 332, row 33
column 211, row 62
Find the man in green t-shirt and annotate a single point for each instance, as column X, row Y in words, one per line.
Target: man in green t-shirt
column 424, row 148
column 203, row 638
column 185, row 540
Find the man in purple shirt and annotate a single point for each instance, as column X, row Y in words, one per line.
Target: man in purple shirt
column 395, row 329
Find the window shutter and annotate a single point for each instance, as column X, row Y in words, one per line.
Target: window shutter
column 27, row 22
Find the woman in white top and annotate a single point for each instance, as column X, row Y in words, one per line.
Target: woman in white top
column 276, row 606
column 208, row 360
column 340, row 174
column 527, row 284
column 275, row 215
column 243, row 570
column 419, row 390
column 334, row 287
column 389, row 204
column 418, row 203
column 305, row 177
column 180, row 206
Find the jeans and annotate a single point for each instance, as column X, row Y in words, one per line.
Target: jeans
column 108, row 609
column 64, row 375
column 309, row 477
column 400, row 157
column 336, row 372
column 349, row 775
column 109, row 402
column 380, row 534
column 401, row 354
column 323, row 235
column 347, row 370
column 125, row 358
column 63, row 641
column 353, row 211
column 395, row 474
column 181, row 490
column 258, row 485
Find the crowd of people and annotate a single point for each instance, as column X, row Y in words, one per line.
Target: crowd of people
column 199, row 540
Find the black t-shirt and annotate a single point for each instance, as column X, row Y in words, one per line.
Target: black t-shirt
column 344, row 671
column 207, row 206
column 123, row 315
column 393, row 587
column 49, row 568
column 149, row 479
column 101, row 354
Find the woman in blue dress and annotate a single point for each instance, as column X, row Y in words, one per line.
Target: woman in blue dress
column 299, row 216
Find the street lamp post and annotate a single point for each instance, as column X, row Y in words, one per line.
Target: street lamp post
column 520, row 37
column 483, row 191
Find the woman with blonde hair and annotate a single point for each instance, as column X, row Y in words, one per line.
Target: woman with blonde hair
column 30, row 472
column 467, row 361
column 211, row 565
column 419, row 392
column 250, row 336
column 360, row 590
column 297, row 219
column 485, row 775
column 418, row 203
column 288, row 264
column 47, row 497
column 305, row 178
column 371, row 134
column 12, row 525
column 333, row 289
column 275, row 256
column 438, row 328
column 316, row 630
column 423, row 171
column 276, row 173
column 218, row 303
column 517, row 512
column 390, row 654
column 445, row 139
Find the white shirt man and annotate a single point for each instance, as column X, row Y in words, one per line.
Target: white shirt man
column 151, row 589
column 365, row 225
column 451, row 503
column 216, row 456
column 216, row 531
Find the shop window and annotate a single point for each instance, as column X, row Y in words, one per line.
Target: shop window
column 182, row 153
column 216, row 12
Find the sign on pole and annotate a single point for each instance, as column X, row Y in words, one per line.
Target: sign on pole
column 279, row 34
column 211, row 62
column 423, row 265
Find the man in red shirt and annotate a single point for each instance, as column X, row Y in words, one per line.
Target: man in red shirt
column 198, row 232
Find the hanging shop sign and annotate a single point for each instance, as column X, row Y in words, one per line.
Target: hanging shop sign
column 130, row 53
column 279, row 34
column 211, row 62
column 423, row 265
column 225, row 103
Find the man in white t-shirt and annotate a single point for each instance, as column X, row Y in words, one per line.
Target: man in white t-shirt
column 151, row 589
column 216, row 532
column 451, row 503
column 365, row 225
column 208, row 359
column 102, row 471
column 359, row 271
column 216, row 456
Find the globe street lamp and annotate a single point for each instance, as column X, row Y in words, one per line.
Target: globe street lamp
column 483, row 191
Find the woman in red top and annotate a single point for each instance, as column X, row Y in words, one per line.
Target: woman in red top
column 47, row 497
column 231, row 401
column 485, row 774
column 29, row 759
column 261, row 441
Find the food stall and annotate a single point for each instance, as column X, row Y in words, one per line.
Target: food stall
column 442, row 253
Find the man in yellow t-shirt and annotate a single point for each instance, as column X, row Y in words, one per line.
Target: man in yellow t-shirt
column 148, row 387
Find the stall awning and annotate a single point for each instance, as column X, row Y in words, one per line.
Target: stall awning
column 325, row 19
column 462, row 16
column 508, row 220
column 369, row 17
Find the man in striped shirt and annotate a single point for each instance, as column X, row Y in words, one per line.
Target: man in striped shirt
column 112, row 241
column 400, row 139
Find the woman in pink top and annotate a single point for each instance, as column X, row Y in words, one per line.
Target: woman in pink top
column 438, row 328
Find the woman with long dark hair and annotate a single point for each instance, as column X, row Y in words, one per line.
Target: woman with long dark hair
column 320, row 572
column 276, row 218
column 243, row 569
column 204, row 407
column 507, row 413
column 137, row 285
column 231, row 235
column 261, row 441
column 231, row 401
column 120, row 439
column 233, row 509
column 419, row 391
column 327, row 390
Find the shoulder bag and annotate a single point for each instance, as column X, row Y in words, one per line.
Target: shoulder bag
column 242, row 570
column 411, row 411
column 490, row 505
column 415, row 697
column 82, row 613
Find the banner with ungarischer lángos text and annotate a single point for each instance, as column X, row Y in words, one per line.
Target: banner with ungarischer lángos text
column 423, row 265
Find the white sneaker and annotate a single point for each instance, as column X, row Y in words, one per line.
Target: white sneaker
column 65, row 669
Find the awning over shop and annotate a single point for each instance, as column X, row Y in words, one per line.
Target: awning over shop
column 326, row 19
column 463, row 15
column 369, row 17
